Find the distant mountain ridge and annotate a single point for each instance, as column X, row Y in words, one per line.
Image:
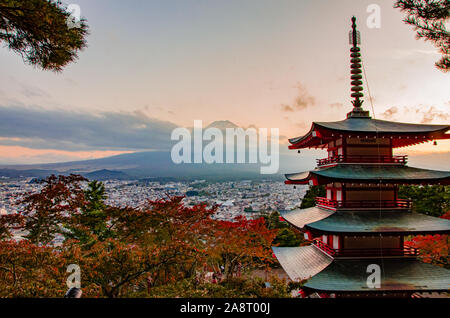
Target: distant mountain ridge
column 135, row 166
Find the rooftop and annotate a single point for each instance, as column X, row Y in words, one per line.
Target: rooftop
column 402, row 134
column 302, row 262
column 367, row 173
column 397, row 274
column 388, row 223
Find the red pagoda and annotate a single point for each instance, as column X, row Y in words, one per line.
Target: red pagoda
column 361, row 221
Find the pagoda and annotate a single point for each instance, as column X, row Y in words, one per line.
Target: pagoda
column 362, row 221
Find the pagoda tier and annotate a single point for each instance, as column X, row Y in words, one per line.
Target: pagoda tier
column 360, row 223
column 357, row 173
column 323, row 134
column 347, row 233
column 362, row 220
column 348, row 277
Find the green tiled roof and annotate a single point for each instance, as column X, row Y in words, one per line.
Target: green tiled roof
column 396, row 275
column 376, row 125
column 355, row 172
column 398, row 222
column 300, row 217
column 368, row 125
column 302, row 262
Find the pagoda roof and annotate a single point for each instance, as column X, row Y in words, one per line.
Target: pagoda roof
column 397, row 274
column 323, row 132
column 302, row 262
column 300, row 217
column 369, row 173
column 385, row 222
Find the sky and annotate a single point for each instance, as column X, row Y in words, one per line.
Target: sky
column 152, row 66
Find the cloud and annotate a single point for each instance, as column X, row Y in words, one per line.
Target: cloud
column 303, row 99
column 428, row 114
column 32, row 91
column 301, row 102
column 286, row 108
column 65, row 130
column 337, row 105
column 432, row 114
column 388, row 113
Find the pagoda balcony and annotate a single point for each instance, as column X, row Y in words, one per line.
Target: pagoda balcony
column 363, row 159
column 366, row 252
column 363, row 204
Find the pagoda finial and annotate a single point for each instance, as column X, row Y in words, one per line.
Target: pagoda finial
column 356, row 72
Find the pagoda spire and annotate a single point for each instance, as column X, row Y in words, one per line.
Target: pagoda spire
column 356, row 73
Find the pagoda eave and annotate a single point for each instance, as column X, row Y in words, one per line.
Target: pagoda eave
column 401, row 134
column 320, row 221
column 385, row 174
column 298, row 218
column 399, row 275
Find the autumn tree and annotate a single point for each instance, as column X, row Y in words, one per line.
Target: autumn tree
column 41, row 33
column 164, row 241
column 8, row 223
column 28, row 270
column 45, row 212
column 433, row 249
column 429, row 18
column 242, row 242
column 122, row 251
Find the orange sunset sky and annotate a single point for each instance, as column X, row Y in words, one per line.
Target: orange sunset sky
column 151, row 66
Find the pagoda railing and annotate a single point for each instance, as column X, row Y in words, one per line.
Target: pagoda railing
column 363, row 159
column 362, row 252
column 324, row 247
column 356, row 204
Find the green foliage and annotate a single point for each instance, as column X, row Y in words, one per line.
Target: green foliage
column 429, row 18
column 38, row 31
column 273, row 221
column 308, row 200
column 431, row 200
column 93, row 217
column 287, row 238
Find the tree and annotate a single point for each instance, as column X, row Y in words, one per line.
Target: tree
column 430, row 200
column 285, row 235
column 121, row 251
column 286, row 238
column 38, row 31
column 273, row 221
column 28, row 270
column 164, row 240
column 308, row 200
column 8, row 223
column 429, row 18
column 241, row 243
column 433, row 249
column 92, row 221
column 45, row 212
column 236, row 287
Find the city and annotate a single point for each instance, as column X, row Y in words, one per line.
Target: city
column 233, row 198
